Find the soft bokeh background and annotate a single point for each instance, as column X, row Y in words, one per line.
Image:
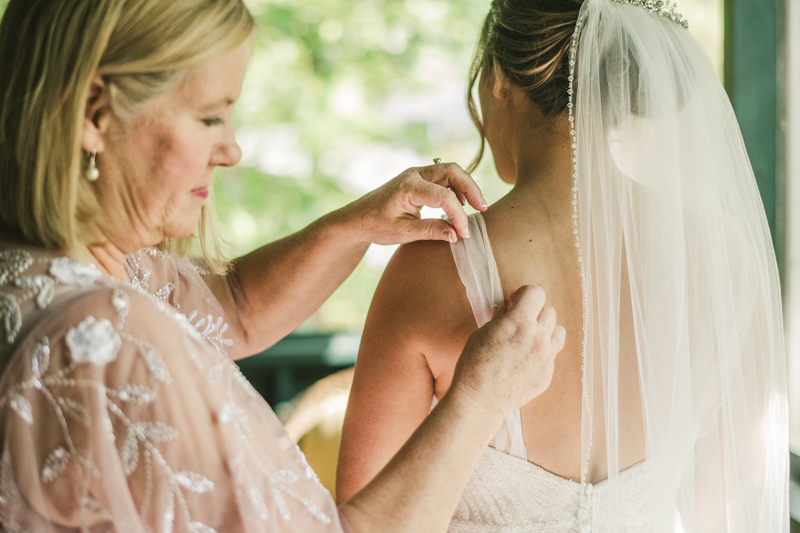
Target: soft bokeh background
column 341, row 96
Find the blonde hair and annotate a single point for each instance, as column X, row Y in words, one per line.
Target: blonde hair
column 49, row 53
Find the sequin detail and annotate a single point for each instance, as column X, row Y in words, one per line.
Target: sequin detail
column 93, row 506
column 55, row 463
column 75, row 410
column 71, row 272
column 42, row 287
column 58, row 385
column 663, row 8
column 94, row 341
column 11, row 315
column 194, row 482
column 21, row 406
column 13, row 263
column 136, row 394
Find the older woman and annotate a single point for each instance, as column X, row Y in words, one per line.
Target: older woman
column 120, row 408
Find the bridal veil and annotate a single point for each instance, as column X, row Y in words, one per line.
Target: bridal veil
column 675, row 254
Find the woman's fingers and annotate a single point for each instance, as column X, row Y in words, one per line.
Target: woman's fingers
column 509, row 360
column 453, row 176
column 391, row 214
column 433, row 195
column 559, row 338
column 527, row 301
column 432, row 229
column 547, row 317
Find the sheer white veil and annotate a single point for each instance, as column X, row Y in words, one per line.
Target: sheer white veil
column 682, row 315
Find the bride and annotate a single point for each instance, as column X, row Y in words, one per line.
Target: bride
column 635, row 207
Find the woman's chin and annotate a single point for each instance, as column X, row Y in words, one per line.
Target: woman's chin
column 184, row 228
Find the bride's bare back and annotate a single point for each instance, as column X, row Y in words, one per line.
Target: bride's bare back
column 421, row 318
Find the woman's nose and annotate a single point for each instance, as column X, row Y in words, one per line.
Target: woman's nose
column 227, row 154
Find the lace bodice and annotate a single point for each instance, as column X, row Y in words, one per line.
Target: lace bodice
column 506, row 493
column 120, row 409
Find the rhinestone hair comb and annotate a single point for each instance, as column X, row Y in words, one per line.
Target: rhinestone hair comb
column 662, row 8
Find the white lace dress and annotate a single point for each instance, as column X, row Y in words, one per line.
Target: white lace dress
column 120, row 410
column 506, row 493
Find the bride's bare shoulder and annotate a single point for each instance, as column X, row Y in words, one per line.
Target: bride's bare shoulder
column 421, row 293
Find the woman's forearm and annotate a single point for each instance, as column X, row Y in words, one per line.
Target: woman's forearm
column 276, row 288
column 420, row 487
column 283, row 283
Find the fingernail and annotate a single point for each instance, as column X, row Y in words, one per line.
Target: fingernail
column 495, row 307
column 483, row 202
column 466, row 233
column 450, row 237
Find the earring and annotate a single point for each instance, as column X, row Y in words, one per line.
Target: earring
column 92, row 173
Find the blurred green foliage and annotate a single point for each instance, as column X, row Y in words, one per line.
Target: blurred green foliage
column 341, row 96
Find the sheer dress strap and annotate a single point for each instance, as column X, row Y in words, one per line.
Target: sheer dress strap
column 478, row 272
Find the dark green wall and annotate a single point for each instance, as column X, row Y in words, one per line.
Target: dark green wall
column 752, row 45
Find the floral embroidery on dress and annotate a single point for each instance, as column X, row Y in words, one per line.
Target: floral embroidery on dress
column 212, row 332
column 141, row 275
column 94, row 341
column 13, row 263
column 99, row 342
column 71, row 272
column 42, row 286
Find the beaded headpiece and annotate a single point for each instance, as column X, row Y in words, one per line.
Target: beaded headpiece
column 662, row 8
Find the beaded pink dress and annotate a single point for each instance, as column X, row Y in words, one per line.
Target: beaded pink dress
column 120, row 410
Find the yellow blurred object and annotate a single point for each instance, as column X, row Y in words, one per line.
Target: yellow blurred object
column 314, row 419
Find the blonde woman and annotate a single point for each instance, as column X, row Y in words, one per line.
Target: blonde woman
column 120, row 407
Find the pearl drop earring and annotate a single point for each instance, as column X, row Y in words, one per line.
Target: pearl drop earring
column 92, row 173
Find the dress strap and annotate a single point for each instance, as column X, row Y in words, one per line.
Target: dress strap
column 478, row 272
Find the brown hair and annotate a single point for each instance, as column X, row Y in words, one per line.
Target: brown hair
column 528, row 42
column 49, row 53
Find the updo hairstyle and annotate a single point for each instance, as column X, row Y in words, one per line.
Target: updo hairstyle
column 50, row 50
column 528, row 42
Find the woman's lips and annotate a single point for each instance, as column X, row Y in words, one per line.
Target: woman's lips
column 202, row 192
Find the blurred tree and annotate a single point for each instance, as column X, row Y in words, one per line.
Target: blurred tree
column 341, row 96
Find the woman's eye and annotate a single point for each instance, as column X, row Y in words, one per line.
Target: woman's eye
column 212, row 121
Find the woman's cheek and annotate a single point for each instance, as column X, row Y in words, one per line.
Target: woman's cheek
column 187, row 159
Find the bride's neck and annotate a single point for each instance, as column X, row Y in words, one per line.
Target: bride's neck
column 543, row 165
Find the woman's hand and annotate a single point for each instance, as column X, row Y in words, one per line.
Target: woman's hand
column 505, row 364
column 391, row 213
column 510, row 360
column 276, row 288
